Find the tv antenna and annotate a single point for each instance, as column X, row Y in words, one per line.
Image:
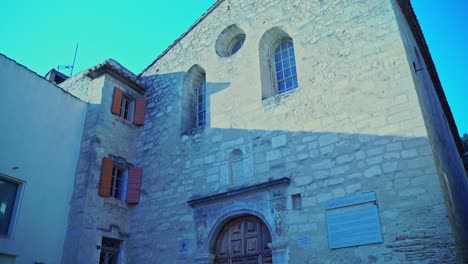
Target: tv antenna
column 71, row 67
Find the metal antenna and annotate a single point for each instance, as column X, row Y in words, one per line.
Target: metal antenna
column 74, row 58
column 71, row 67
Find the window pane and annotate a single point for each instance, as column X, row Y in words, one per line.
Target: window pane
column 7, row 202
column 294, row 82
column 237, row 46
column 277, row 57
column 284, row 45
column 279, row 76
column 281, row 86
column 293, row 70
column 289, row 84
column 279, row 66
column 286, row 64
column 287, row 73
column 201, row 104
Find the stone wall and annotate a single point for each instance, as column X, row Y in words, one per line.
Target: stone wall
column 353, row 125
column 105, row 135
column 452, row 175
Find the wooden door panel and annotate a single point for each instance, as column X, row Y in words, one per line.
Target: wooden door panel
column 243, row 241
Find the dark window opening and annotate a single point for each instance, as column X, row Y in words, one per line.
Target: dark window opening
column 110, row 250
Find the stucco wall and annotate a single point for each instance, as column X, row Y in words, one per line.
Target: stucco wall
column 353, row 125
column 40, row 141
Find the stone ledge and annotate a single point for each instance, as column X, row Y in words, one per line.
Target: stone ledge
column 238, row 191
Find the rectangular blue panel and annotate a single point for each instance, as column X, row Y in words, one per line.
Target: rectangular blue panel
column 354, row 226
column 350, row 200
column 303, row 240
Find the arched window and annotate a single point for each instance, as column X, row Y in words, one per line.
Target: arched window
column 201, row 102
column 194, row 101
column 277, row 63
column 285, row 66
column 236, row 166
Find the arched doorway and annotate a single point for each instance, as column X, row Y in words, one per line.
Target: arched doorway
column 243, row 240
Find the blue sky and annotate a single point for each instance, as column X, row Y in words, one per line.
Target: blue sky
column 42, row 35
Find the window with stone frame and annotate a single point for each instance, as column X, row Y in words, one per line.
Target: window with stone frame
column 10, row 190
column 194, row 100
column 120, row 181
column 278, row 71
column 127, row 107
column 110, row 251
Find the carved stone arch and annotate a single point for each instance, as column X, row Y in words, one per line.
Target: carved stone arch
column 224, row 219
column 192, row 78
column 268, row 42
column 241, row 236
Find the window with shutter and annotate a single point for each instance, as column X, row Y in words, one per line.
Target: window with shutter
column 128, row 108
column 140, row 105
column 116, row 101
column 120, row 182
column 106, row 177
column 134, row 185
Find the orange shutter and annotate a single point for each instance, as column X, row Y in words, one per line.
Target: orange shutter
column 134, row 185
column 139, row 117
column 116, row 101
column 106, row 177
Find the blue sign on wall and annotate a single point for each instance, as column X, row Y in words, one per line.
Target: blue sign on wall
column 352, row 226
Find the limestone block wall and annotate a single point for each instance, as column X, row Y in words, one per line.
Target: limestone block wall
column 353, row 125
column 105, row 135
column 449, row 164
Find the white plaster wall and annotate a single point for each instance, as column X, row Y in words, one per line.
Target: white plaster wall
column 41, row 132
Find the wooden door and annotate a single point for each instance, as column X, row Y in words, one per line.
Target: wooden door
column 243, row 240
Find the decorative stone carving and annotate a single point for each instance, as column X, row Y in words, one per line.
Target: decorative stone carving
column 200, row 226
column 278, row 205
column 279, row 223
column 277, row 208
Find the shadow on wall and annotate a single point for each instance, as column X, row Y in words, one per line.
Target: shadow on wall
column 399, row 168
column 185, row 91
column 323, row 165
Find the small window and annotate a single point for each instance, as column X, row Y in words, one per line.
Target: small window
column 285, row 67
column 110, row 251
column 119, row 178
column 236, row 44
column 126, row 108
column 296, row 201
column 9, row 193
column 230, row 41
column 120, row 182
column 201, row 103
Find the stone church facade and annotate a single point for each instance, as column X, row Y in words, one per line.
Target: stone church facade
column 272, row 132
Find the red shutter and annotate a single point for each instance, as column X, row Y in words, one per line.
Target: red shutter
column 139, row 117
column 106, row 177
column 134, row 185
column 116, row 101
